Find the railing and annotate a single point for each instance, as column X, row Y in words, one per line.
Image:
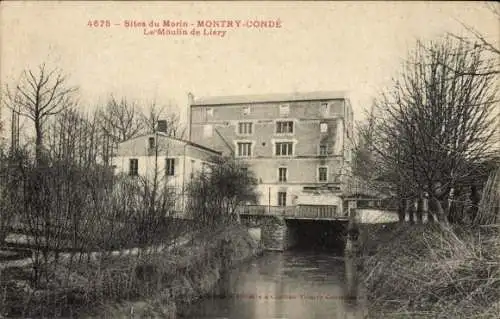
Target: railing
column 266, row 210
column 299, row 211
column 317, row 211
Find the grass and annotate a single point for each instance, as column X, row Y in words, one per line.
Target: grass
column 154, row 285
column 425, row 271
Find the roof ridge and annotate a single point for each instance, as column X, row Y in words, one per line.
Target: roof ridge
column 188, row 142
column 271, row 97
column 163, row 134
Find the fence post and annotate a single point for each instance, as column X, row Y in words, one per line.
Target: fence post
column 352, row 245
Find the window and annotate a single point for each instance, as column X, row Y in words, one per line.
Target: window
column 207, row 130
column 170, row 166
column 246, row 110
column 323, row 174
column 133, row 167
column 323, row 127
column 245, row 149
column 281, row 198
column 210, row 111
column 284, row 109
column 245, row 128
column 151, row 142
column 325, row 109
column 282, row 172
column 244, row 170
column 284, row 149
column 284, row 127
column 323, row 150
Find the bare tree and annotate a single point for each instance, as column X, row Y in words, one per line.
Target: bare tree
column 364, row 162
column 216, row 194
column 120, row 120
column 477, row 39
column 40, row 94
column 74, row 136
column 155, row 113
column 437, row 121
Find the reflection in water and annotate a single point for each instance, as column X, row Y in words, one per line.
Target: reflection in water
column 286, row 285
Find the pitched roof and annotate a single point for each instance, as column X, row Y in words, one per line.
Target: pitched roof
column 190, row 143
column 263, row 98
column 175, row 139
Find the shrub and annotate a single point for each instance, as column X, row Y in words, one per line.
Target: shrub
column 432, row 272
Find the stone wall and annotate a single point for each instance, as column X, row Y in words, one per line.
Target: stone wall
column 279, row 234
column 273, row 233
column 276, row 233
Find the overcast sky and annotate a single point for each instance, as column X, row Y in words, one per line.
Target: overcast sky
column 354, row 46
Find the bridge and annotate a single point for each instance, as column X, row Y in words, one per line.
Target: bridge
column 306, row 226
column 323, row 212
column 284, row 227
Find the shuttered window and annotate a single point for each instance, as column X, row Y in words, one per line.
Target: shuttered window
column 170, row 166
column 133, row 167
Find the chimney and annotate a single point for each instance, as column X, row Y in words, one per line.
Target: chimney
column 161, row 126
column 190, row 98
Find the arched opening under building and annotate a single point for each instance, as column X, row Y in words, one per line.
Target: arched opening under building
column 309, row 234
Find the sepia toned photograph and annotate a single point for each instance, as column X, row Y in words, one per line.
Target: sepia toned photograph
column 249, row 159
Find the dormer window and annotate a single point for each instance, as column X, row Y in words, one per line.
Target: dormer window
column 284, row 109
column 325, row 109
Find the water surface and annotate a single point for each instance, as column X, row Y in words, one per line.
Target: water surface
column 292, row 285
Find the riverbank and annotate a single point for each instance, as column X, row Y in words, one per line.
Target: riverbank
column 426, row 271
column 147, row 285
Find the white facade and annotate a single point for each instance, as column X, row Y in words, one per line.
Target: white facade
column 174, row 161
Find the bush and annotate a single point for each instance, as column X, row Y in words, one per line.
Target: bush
column 215, row 196
column 431, row 272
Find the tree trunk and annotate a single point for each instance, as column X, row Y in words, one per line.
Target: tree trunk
column 475, row 199
column 425, row 209
column 407, row 210
column 411, row 210
column 441, row 212
column 419, row 211
column 38, row 143
column 401, row 210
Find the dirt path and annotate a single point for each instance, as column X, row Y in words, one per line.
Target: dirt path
column 65, row 257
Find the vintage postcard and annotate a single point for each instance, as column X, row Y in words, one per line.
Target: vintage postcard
column 249, row 159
